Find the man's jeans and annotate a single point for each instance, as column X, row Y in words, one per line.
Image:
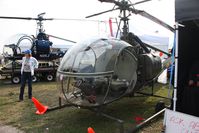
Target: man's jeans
column 26, row 76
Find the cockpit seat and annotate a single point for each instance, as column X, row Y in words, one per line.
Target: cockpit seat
column 119, row 85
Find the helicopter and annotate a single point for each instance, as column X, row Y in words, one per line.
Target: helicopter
column 41, row 46
column 99, row 71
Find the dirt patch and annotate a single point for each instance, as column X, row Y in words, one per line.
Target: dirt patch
column 154, row 127
column 9, row 129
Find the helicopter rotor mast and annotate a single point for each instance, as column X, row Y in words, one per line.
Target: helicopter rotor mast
column 40, row 18
column 40, row 23
column 122, row 6
column 130, row 8
column 125, row 6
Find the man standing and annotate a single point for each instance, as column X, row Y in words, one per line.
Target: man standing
column 29, row 63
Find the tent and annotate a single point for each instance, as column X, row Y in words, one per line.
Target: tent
column 187, row 44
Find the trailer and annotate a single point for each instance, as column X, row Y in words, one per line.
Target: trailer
column 45, row 71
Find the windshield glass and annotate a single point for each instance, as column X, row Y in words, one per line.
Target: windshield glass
column 91, row 56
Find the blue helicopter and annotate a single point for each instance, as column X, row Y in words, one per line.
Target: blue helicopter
column 41, row 45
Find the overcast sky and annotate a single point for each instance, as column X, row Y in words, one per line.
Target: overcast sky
column 78, row 9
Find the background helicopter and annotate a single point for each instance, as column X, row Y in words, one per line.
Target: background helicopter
column 39, row 45
column 42, row 49
column 104, row 70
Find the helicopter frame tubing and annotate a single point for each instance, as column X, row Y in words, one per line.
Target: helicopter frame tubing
column 97, row 110
column 151, row 82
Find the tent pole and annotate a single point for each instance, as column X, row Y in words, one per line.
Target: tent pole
column 176, row 67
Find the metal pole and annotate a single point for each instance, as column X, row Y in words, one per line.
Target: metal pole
column 125, row 27
column 60, row 104
column 176, row 67
column 138, row 127
column 120, row 122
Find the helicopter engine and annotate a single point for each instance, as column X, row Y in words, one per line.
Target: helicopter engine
column 153, row 64
column 149, row 65
column 42, row 44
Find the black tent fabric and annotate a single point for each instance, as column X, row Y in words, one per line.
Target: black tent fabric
column 187, row 55
column 186, row 10
column 187, row 13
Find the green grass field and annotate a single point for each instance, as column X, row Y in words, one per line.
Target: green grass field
column 71, row 119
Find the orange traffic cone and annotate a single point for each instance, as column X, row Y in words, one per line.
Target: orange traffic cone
column 90, row 130
column 41, row 109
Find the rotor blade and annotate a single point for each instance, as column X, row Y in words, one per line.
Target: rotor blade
column 152, row 18
column 41, row 19
column 157, row 49
column 86, row 20
column 140, row 2
column 61, row 38
column 110, row 1
column 101, row 13
column 24, row 18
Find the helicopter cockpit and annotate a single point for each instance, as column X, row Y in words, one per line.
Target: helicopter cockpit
column 97, row 72
column 16, row 45
column 40, row 46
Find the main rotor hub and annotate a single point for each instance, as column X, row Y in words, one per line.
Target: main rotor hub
column 124, row 5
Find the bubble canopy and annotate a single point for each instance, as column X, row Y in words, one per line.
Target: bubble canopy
column 97, row 71
column 21, row 42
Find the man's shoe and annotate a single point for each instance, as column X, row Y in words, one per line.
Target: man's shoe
column 20, row 100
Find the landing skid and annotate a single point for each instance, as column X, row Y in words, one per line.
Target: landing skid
column 98, row 111
column 120, row 122
column 60, row 106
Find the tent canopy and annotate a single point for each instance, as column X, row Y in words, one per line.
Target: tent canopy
column 186, row 10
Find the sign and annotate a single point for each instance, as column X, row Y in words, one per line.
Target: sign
column 176, row 122
column 163, row 77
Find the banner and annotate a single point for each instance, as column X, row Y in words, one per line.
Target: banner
column 176, row 122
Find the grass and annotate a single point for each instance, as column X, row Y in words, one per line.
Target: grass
column 69, row 120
